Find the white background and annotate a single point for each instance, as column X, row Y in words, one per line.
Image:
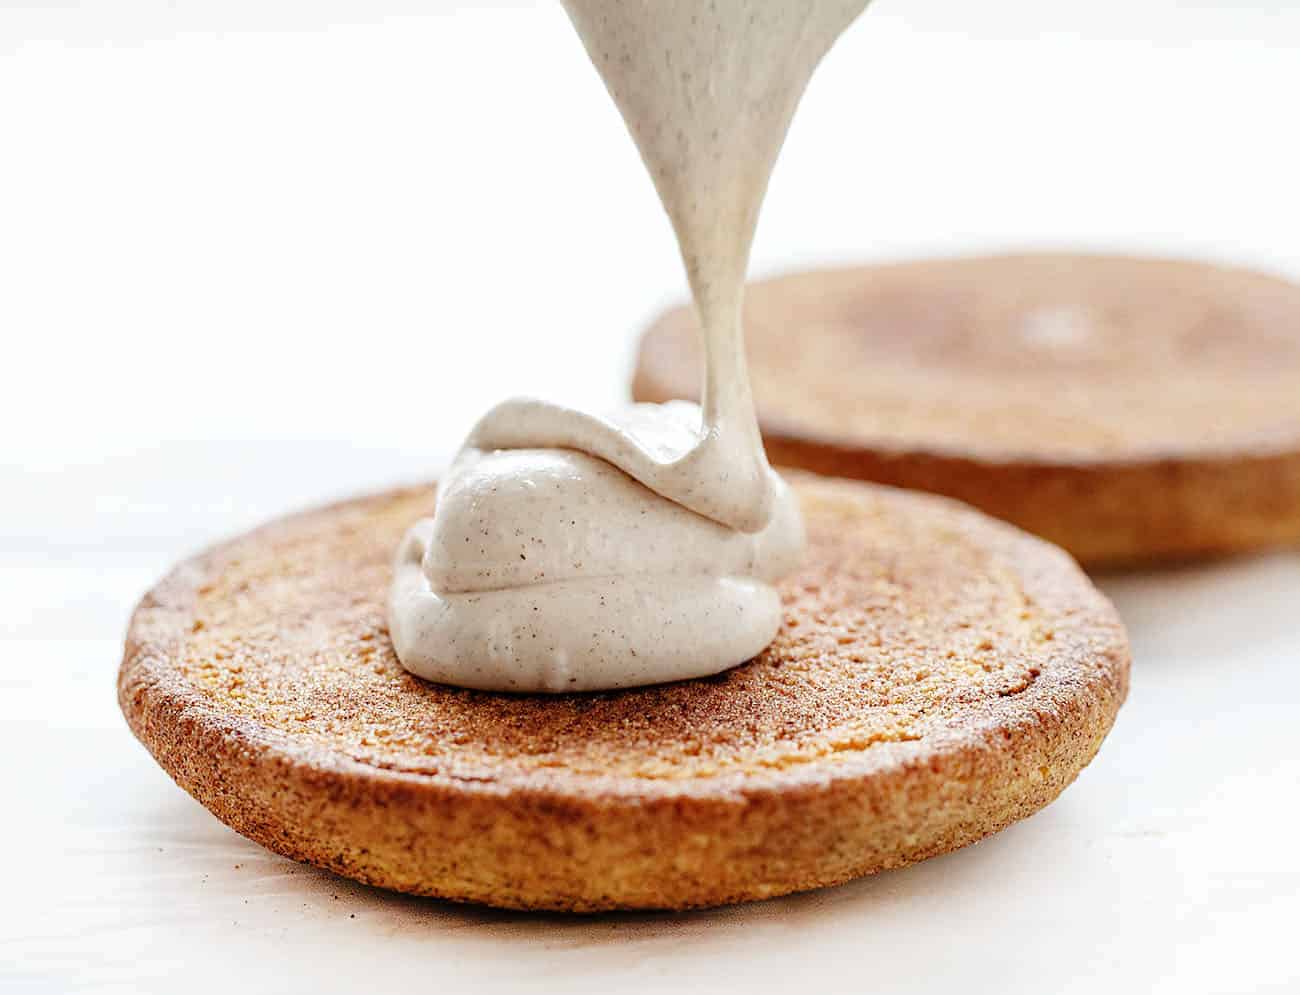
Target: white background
column 261, row 253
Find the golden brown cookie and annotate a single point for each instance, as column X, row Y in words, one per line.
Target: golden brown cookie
column 1127, row 409
column 939, row 675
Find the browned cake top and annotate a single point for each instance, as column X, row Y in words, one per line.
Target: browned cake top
column 1056, row 357
column 914, row 624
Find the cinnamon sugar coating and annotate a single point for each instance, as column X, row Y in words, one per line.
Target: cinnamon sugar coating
column 1126, row 409
column 938, row 676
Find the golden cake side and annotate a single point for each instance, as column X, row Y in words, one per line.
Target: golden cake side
column 1128, row 410
column 837, row 753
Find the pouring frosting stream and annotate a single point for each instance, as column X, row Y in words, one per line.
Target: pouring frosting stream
column 570, row 552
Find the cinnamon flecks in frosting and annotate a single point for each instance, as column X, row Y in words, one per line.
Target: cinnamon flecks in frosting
column 576, row 553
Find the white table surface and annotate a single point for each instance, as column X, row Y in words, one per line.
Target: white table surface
column 257, row 255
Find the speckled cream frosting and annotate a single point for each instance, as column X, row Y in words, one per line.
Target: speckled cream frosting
column 571, row 552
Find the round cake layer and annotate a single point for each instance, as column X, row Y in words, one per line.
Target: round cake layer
column 1124, row 408
column 938, row 675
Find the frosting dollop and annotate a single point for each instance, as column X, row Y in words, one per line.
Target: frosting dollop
column 576, row 553
column 565, row 555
